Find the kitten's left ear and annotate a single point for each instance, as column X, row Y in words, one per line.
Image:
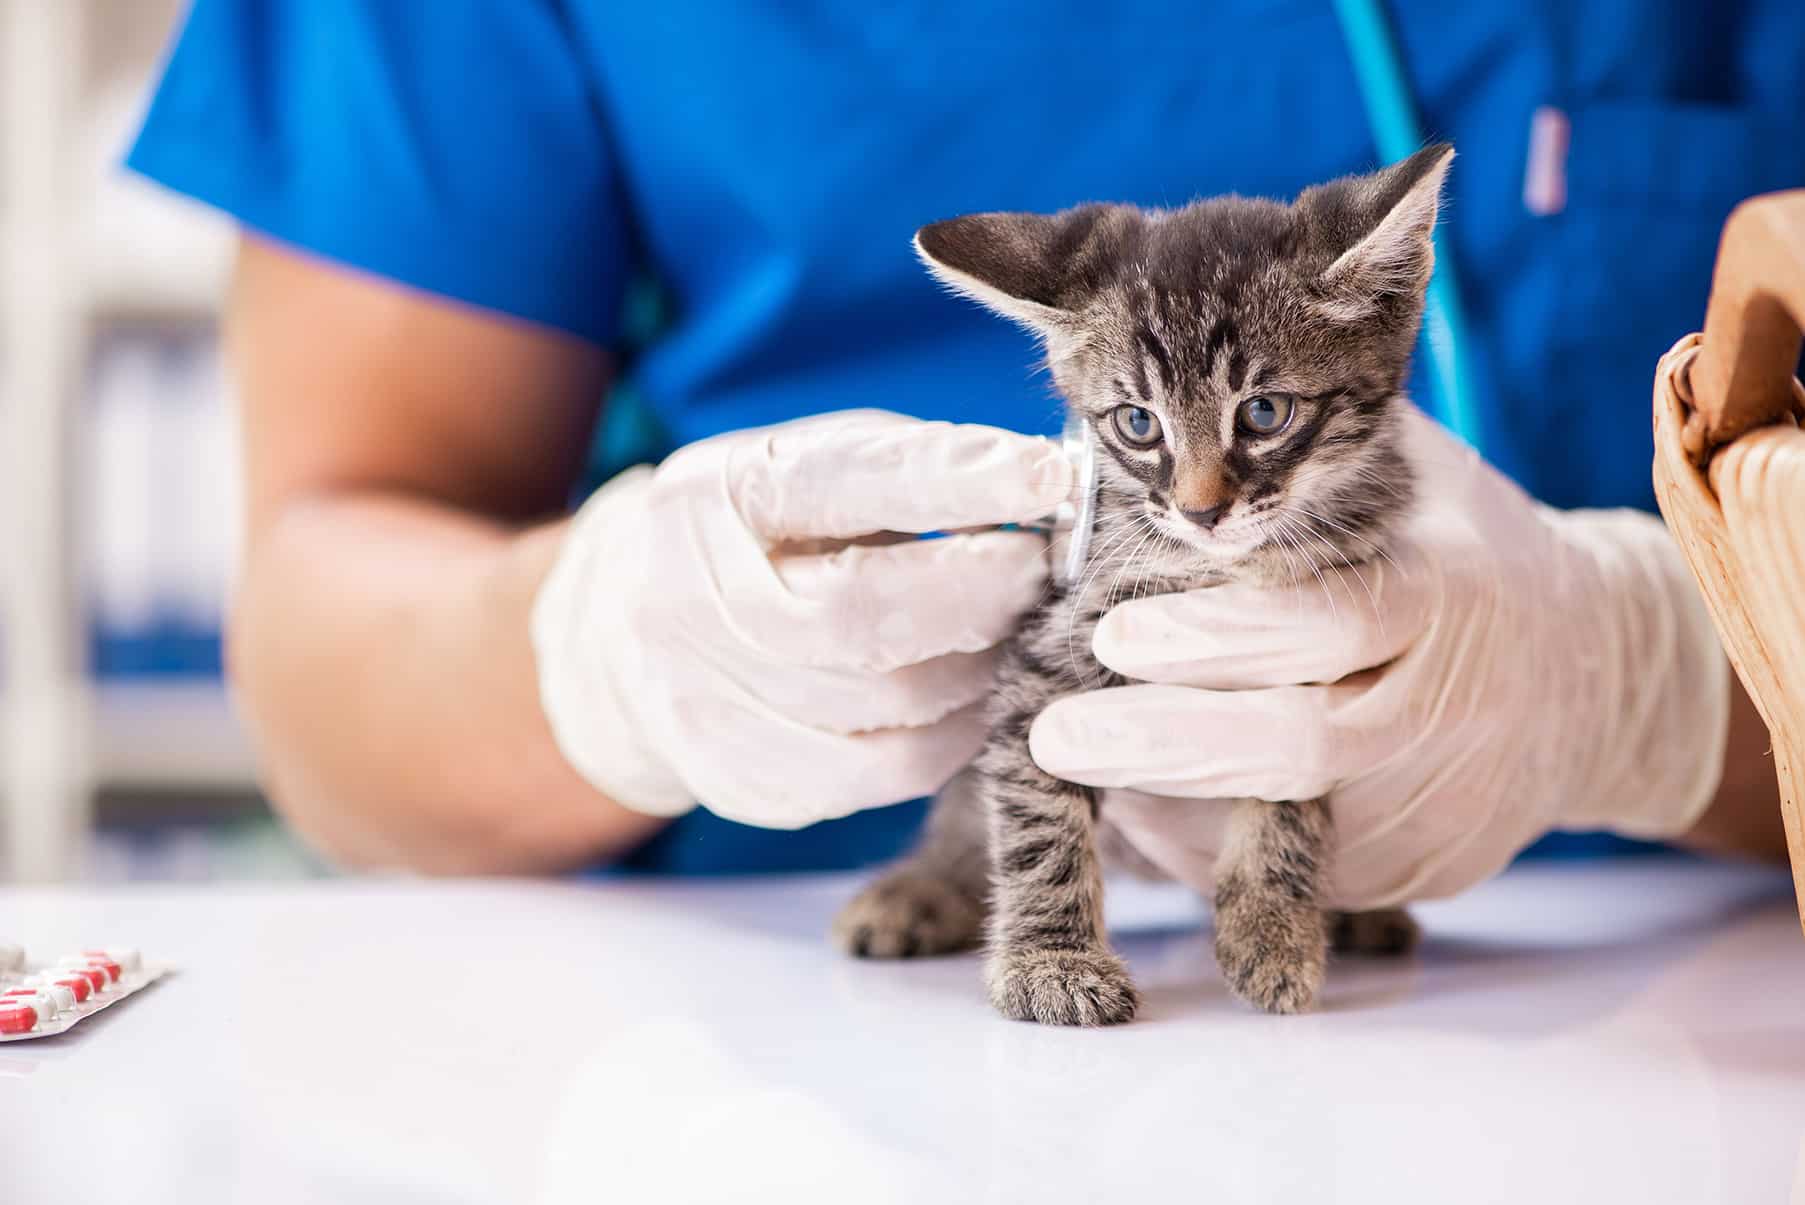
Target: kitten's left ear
column 1394, row 212
column 1025, row 266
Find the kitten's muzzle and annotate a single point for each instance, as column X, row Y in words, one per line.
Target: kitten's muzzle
column 1208, row 517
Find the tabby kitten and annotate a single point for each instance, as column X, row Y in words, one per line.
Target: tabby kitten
column 1240, row 362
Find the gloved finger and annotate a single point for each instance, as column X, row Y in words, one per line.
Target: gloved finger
column 877, row 607
column 1240, row 636
column 1286, row 742
column 841, row 476
column 912, row 696
column 823, row 775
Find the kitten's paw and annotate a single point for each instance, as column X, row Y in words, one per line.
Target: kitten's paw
column 1273, row 950
column 1062, row 987
column 1383, row 931
column 908, row 915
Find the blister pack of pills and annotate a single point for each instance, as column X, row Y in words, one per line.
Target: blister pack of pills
column 39, row 1001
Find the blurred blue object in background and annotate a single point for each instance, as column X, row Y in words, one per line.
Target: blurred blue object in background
column 160, row 501
column 630, row 431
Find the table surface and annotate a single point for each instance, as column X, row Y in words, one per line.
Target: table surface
column 1617, row 1032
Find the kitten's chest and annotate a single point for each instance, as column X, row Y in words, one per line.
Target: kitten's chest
column 1055, row 641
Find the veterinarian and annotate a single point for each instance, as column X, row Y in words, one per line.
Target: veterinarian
column 475, row 231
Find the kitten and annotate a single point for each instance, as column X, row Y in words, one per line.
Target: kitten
column 1240, row 362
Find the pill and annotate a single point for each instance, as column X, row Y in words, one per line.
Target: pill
column 129, row 960
column 38, row 999
column 97, row 976
column 64, row 996
column 12, row 958
column 82, row 960
column 80, row 985
column 21, row 1019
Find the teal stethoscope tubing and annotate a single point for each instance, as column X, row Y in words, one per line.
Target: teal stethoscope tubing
column 1397, row 133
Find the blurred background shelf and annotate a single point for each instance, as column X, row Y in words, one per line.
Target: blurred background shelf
column 118, row 490
column 169, row 736
column 144, row 253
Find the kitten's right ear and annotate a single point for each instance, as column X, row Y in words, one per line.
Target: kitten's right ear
column 1022, row 265
column 1393, row 210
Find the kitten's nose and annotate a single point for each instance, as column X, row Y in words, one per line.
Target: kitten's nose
column 1205, row 519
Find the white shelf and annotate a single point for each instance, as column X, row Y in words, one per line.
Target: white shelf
column 43, row 754
column 165, row 735
column 169, row 735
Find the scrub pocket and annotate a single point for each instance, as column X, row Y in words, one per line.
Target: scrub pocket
column 1649, row 184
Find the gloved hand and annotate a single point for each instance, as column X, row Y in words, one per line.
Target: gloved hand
column 1509, row 670
column 744, row 627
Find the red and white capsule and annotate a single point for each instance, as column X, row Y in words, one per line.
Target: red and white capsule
column 80, row 986
column 17, row 1018
column 129, row 960
column 62, row 994
column 37, row 998
column 99, row 975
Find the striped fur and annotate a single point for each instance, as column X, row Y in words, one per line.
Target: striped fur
column 1183, row 316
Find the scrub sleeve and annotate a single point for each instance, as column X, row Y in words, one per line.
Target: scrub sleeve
column 462, row 155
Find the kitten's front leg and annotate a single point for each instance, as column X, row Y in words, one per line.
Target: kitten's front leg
column 1271, row 937
column 1049, row 957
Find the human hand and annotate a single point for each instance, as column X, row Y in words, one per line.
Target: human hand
column 1507, row 670
column 748, row 625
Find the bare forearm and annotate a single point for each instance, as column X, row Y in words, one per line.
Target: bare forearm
column 1744, row 820
column 380, row 647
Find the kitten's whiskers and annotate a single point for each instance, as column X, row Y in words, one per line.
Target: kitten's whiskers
column 1094, row 567
column 1377, row 548
column 1348, row 561
column 1292, row 526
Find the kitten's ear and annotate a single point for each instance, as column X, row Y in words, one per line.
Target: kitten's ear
column 1024, row 266
column 1390, row 216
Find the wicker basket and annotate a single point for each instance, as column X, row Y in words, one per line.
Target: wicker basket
column 1730, row 473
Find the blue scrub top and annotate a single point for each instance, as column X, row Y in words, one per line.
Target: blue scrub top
column 764, row 166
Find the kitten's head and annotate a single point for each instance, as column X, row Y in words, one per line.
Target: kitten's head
column 1239, row 360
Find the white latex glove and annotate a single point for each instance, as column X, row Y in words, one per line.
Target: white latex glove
column 709, row 633
column 1511, row 670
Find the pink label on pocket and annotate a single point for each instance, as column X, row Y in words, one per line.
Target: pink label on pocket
column 1545, row 173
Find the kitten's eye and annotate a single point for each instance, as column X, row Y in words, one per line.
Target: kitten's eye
column 1136, row 425
column 1267, row 414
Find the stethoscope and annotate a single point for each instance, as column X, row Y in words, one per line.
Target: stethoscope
column 1397, row 132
